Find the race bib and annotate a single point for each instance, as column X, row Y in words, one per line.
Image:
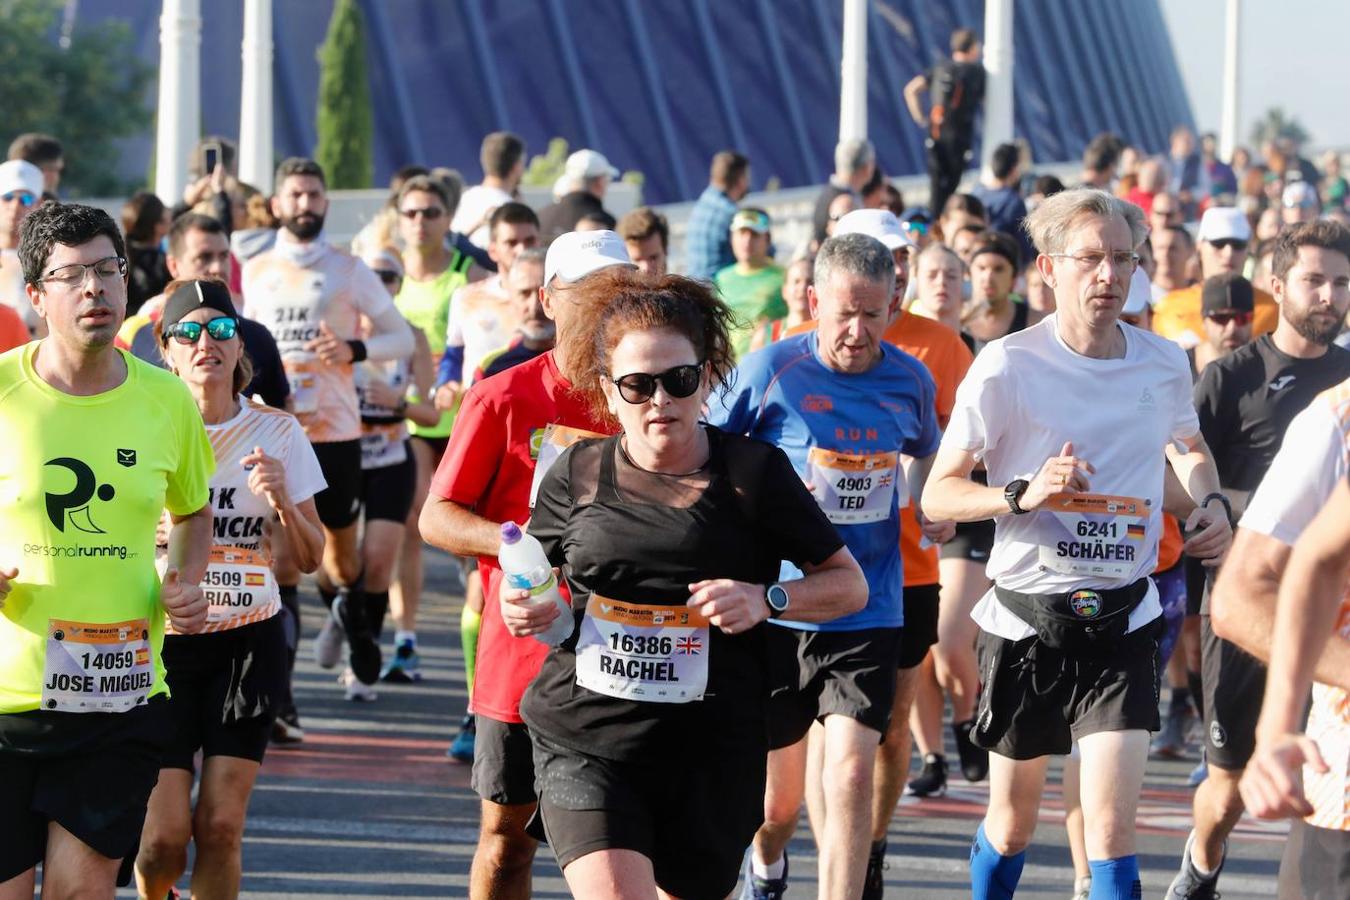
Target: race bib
column 238, row 583
column 653, row 654
column 1093, row 534
column 97, row 668
column 854, row 488
column 382, row 445
column 303, row 374
column 547, row 444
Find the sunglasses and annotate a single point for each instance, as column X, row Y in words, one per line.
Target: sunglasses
column 1221, row 319
column 388, row 276
column 431, row 213
column 1229, row 242
column 222, row 328
column 679, row 382
column 915, row 226
column 25, row 198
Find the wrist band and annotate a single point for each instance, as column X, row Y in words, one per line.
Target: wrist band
column 358, row 350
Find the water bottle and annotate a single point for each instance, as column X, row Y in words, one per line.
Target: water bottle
column 527, row 569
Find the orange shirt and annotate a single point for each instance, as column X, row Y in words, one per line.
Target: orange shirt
column 1177, row 316
column 947, row 358
column 13, row 333
column 1169, row 545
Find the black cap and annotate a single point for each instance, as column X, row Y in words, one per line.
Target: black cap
column 193, row 295
column 1225, row 292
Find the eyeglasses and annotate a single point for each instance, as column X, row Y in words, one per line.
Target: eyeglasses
column 73, row 275
column 221, row 328
column 679, row 382
column 1091, row 260
column 1241, row 319
column 1236, row 244
column 25, row 198
column 388, row 276
column 430, row 213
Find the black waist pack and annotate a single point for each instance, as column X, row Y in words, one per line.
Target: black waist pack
column 1081, row 621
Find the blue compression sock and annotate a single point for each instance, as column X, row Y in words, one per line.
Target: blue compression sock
column 992, row 875
column 1115, row 879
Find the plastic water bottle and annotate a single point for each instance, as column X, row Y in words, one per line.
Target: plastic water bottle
column 527, row 569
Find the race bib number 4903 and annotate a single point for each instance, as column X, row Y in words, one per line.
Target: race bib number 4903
column 1093, row 534
column 854, row 488
column 654, row 654
column 97, row 667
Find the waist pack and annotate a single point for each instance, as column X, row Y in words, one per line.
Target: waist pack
column 1081, row 621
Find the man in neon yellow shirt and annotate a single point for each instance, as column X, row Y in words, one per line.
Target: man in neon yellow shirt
column 753, row 285
column 98, row 445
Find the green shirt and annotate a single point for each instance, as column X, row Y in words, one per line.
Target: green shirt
column 426, row 306
column 754, row 296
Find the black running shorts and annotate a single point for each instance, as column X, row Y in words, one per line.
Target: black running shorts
column 921, row 624
column 339, row 504
column 973, row 541
column 503, row 762
column 387, row 492
column 1234, row 683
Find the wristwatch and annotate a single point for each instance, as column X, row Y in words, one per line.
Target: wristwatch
column 1222, row 498
column 777, row 598
column 1013, row 492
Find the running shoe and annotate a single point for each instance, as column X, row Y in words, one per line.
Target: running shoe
column 1190, row 884
column 403, row 666
column 461, row 750
column 286, row 730
column 1199, row 773
column 974, row 760
column 1082, row 888
column 932, row 779
column 328, row 642
column 756, row 888
column 874, row 884
column 1170, row 742
column 357, row 690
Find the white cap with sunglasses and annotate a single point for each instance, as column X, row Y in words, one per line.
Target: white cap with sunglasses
column 875, row 223
column 576, row 254
column 17, row 176
column 1224, row 223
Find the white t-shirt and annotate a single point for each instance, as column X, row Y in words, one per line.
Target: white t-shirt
column 12, row 292
column 481, row 320
column 1024, row 396
column 475, row 205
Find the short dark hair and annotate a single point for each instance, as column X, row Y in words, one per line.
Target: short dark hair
column 1003, row 162
column 298, row 165
column 191, row 221
column 966, row 203
column 1102, row 152
column 68, row 224
column 140, row 214
column 1180, row 230
column 512, row 213
column 1325, row 233
column 727, row 168
column 964, row 40
column 642, row 223
column 36, row 148
column 403, row 173
column 1047, row 185
column 426, row 183
column 499, row 153
column 999, row 244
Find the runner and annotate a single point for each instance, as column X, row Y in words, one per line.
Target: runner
column 844, row 406
column 1246, row 401
column 671, row 534
column 312, row 297
column 227, row 682
column 536, row 333
column 98, row 445
column 509, row 430
column 1077, row 530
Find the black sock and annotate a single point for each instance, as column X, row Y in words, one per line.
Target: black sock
column 378, row 604
column 290, row 609
column 1181, row 699
column 1197, row 692
column 327, row 596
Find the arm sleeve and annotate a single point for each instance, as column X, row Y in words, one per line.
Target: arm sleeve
column 451, row 366
column 553, row 507
column 188, row 484
column 1302, row 476
column 473, row 453
column 794, row 520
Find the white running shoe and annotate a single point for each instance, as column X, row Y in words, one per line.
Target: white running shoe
column 357, row 690
column 328, row 642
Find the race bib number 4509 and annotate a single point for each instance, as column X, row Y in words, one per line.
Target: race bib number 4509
column 1093, row 534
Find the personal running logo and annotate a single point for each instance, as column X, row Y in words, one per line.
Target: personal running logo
column 73, row 507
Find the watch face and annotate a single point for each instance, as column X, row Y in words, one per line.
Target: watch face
column 778, row 598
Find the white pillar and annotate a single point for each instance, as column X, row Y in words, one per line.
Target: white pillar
column 179, row 117
column 255, row 102
column 853, row 72
column 1228, row 123
column 998, row 65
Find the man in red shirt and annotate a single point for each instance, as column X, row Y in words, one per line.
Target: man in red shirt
column 509, row 429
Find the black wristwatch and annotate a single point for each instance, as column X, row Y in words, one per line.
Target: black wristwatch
column 1013, row 492
column 1222, row 498
column 777, row 598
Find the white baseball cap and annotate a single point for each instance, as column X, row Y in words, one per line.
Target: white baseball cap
column 588, row 164
column 1140, row 296
column 1221, row 223
column 576, row 254
column 875, row 223
column 1299, row 194
column 17, row 175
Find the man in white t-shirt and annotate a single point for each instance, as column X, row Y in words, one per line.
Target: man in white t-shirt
column 1071, row 417
column 502, row 156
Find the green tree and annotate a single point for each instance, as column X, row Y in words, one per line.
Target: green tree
column 345, row 125
column 1276, row 123
column 89, row 94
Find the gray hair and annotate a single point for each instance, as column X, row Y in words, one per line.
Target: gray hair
column 857, row 255
column 1050, row 223
column 853, row 155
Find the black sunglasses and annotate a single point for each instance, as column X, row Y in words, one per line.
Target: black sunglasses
column 1229, row 242
column 388, row 276
column 222, row 328
column 679, row 382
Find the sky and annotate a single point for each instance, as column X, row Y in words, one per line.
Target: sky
column 1292, row 55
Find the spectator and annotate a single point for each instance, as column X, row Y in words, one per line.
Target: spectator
column 145, row 222
column 707, row 238
column 854, row 162
column 20, row 188
column 591, row 174
column 259, row 232
column 1222, row 179
column 753, row 285
column 1299, row 203
column 1189, row 180
column 646, row 235
column 956, row 91
column 1334, row 185
column 959, row 211
column 1151, row 182
column 1172, row 248
column 43, row 151
column 873, row 193
column 1100, row 159
column 1002, row 201
column 502, row 156
column 1043, row 186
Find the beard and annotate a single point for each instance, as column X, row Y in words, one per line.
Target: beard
column 538, row 331
column 305, row 226
column 1311, row 329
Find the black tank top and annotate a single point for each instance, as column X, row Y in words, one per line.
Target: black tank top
column 1021, row 313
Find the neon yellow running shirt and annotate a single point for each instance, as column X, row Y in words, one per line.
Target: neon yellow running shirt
column 426, row 306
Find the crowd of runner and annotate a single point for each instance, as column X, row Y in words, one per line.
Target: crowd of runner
column 1027, row 455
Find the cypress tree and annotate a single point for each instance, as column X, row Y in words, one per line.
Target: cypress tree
column 345, row 123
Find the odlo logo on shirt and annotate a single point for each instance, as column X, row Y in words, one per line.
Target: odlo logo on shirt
column 73, row 507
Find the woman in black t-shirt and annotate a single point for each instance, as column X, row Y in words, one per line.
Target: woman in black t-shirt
column 649, row 722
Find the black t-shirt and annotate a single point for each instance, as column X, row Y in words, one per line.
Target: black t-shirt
column 955, row 90
column 1247, row 399
column 640, row 538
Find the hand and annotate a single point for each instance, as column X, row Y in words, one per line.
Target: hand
column 1272, row 786
column 197, row 191
column 1062, row 474
column 6, row 576
column 523, row 615
column 733, row 606
column 380, row 393
column 267, row 479
column 185, row 603
column 936, row 532
column 163, row 528
column 331, row 349
column 1210, row 534
column 445, row 396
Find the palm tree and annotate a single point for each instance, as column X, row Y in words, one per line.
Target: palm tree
column 1275, row 124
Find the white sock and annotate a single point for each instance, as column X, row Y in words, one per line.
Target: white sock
column 404, row 637
column 767, row 870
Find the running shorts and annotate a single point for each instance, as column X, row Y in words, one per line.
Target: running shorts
column 339, row 504
column 973, row 541
column 921, row 624
column 503, row 762
column 1234, row 683
column 387, row 492
column 1316, row 864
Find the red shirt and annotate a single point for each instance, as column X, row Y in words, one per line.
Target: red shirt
column 488, row 467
